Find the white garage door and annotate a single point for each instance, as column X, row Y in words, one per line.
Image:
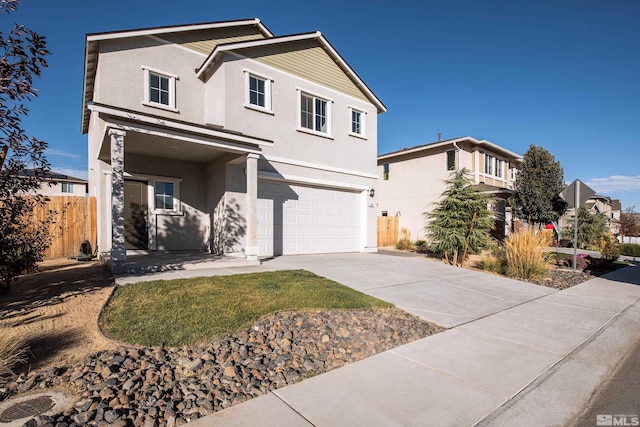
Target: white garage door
column 295, row 219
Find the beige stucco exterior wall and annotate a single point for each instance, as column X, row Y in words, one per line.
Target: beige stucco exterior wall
column 416, row 182
column 121, row 76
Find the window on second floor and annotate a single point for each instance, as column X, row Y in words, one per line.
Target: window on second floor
column 385, row 172
column 499, row 167
column 66, row 187
column 160, row 89
column 258, row 92
column 315, row 113
column 451, row 160
column 357, row 119
column 488, row 164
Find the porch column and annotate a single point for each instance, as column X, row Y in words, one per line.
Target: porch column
column 251, row 248
column 118, row 251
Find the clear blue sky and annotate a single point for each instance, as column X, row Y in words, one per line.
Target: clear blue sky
column 564, row 75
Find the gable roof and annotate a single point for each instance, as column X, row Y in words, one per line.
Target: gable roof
column 302, row 60
column 194, row 36
column 248, row 37
column 431, row 145
column 55, row 176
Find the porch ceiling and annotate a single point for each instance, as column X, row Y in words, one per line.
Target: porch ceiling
column 158, row 146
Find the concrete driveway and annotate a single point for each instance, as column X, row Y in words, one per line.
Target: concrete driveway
column 449, row 296
column 517, row 354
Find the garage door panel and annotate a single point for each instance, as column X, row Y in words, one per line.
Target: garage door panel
column 312, row 220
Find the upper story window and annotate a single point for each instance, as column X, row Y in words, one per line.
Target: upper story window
column 315, row 114
column 357, row 122
column 499, row 167
column 160, row 89
column 488, row 164
column 385, row 172
column 258, row 92
column 451, row 160
column 66, row 187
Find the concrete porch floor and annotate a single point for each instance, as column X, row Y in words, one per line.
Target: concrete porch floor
column 141, row 263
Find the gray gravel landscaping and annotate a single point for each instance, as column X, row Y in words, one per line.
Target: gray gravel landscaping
column 167, row 387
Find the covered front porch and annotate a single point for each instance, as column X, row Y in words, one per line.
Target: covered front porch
column 163, row 188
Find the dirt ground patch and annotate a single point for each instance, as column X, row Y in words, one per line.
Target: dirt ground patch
column 56, row 311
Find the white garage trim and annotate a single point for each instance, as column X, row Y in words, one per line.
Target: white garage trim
column 271, row 176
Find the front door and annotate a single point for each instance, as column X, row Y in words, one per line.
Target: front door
column 136, row 207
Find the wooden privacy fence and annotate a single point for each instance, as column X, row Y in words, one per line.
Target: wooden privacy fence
column 387, row 230
column 74, row 222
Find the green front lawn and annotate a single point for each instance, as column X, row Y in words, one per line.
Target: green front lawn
column 191, row 311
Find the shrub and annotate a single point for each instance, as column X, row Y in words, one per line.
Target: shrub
column 583, row 261
column 12, row 352
column 525, row 256
column 492, row 263
column 404, row 243
column 629, row 249
column 608, row 247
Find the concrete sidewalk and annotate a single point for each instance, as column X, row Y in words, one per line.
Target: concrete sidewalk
column 518, row 354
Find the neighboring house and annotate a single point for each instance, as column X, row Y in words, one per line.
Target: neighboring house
column 222, row 137
column 598, row 205
column 411, row 179
column 58, row 184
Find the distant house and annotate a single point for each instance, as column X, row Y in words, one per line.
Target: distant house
column 411, row 179
column 223, row 137
column 59, row 184
column 609, row 208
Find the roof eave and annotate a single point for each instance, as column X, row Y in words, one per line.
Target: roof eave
column 344, row 66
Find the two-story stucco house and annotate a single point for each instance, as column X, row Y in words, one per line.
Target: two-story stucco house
column 412, row 180
column 223, row 137
column 59, row 184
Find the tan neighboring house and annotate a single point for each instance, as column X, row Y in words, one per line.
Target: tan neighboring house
column 610, row 208
column 58, row 184
column 222, row 137
column 411, row 179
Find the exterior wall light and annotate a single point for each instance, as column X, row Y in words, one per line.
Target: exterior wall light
column 372, row 192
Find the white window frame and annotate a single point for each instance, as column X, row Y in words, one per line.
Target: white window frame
column 363, row 122
column 488, row 164
column 177, row 203
column 268, row 83
column 499, row 172
column 455, row 160
column 172, row 89
column 328, row 102
column 68, row 186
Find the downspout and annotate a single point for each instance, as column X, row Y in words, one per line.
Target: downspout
column 457, row 154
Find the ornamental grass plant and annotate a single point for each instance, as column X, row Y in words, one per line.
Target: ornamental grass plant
column 525, row 255
column 12, row 352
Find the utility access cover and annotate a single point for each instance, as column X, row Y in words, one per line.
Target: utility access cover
column 27, row 408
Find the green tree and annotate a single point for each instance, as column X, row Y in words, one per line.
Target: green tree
column 461, row 221
column 591, row 226
column 538, row 184
column 22, row 160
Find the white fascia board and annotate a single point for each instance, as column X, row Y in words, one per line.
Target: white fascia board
column 220, row 49
column 154, row 121
column 499, row 149
column 319, row 166
column 166, row 30
column 297, row 37
column 352, row 74
column 425, row 147
column 171, row 134
column 293, row 179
